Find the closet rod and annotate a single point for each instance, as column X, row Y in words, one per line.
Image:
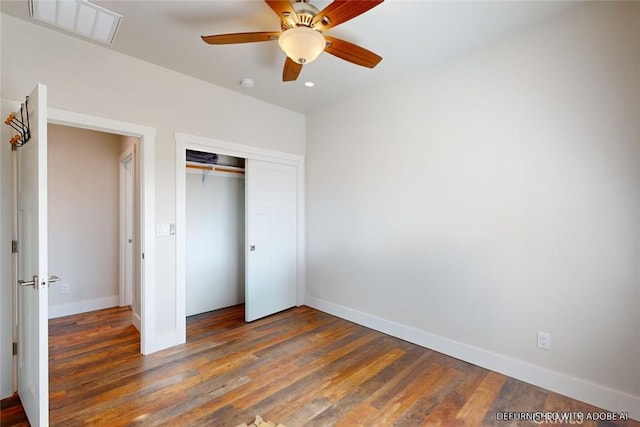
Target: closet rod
column 215, row 168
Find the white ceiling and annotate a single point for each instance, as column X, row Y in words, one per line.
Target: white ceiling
column 411, row 35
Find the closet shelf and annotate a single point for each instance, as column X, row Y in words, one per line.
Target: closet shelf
column 216, row 168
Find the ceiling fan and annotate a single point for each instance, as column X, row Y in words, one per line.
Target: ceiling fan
column 302, row 37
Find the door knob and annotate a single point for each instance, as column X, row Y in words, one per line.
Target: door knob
column 33, row 282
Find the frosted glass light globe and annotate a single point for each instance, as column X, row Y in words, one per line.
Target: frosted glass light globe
column 302, row 44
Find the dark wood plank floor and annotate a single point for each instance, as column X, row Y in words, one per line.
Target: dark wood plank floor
column 300, row 367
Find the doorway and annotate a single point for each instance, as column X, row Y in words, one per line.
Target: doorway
column 149, row 339
column 29, row 196
column 92, row 188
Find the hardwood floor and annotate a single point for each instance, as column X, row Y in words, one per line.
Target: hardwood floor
column 12, row 413
column 300, row 367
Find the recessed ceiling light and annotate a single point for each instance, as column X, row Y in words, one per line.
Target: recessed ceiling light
column 79, row 17
column 309, row 84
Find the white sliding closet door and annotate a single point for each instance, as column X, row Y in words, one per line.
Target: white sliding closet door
column 271, row 238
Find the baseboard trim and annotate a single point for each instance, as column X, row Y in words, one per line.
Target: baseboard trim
column 575, row 388
column 165, row 341
column 137, row 321
column 62, row 310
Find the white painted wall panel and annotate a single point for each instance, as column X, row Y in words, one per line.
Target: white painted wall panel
column 493, row 197
column 95, row 80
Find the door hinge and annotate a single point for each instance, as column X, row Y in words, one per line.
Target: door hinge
column 14, row 246
column 15, row 348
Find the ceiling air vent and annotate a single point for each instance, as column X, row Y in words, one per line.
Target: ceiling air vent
column 79, row 17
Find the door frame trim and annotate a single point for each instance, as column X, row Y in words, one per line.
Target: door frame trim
column 148, row 334
column 186, row 141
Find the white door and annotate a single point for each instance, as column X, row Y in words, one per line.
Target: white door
column 127, row 267
column 270, row 284
column 33, row 351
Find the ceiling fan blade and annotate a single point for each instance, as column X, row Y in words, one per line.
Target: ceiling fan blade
column 351, row 52
column 341, row 11
column 285, row 11
column 291, row 70
column 241, row 38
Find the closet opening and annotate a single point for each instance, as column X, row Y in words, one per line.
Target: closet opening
column 214, row 232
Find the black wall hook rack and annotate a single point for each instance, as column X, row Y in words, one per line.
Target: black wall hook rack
column 21, row 125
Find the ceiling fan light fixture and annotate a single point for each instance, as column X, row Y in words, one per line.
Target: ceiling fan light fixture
column 302, row 44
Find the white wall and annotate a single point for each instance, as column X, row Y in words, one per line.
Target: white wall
column 85, row 78
column 83, row 185
column 215, row 241
column 497, row 196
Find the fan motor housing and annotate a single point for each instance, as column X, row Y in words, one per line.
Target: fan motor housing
column 306, row 12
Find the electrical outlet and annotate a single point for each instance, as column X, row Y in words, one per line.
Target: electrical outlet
column 544, row 340
column 64, row 288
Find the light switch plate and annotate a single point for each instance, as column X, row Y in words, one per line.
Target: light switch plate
column 162, row 230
